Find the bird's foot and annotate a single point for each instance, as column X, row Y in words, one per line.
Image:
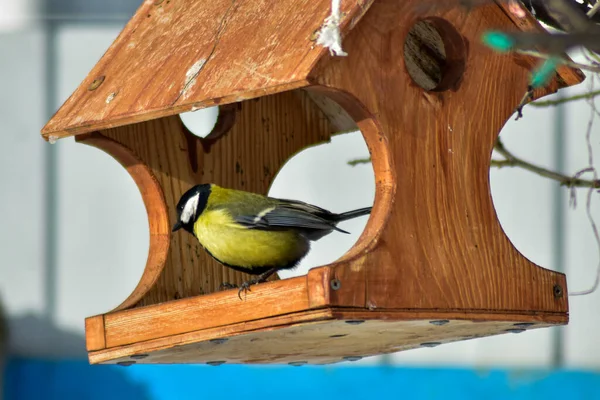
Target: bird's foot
column 245, row 287
column 227, row 286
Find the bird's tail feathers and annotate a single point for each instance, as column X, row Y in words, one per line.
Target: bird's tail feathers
column 353, row 214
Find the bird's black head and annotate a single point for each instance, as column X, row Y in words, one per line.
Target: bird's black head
column 190, row 206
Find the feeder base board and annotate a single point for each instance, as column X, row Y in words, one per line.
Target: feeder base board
column 322, row 336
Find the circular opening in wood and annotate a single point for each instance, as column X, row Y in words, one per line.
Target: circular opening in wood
column 350, row 171
column 327, row 176
column 434, row 54
column 209, row 124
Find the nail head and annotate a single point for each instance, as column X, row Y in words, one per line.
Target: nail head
column 430, row 344
column 352, row 358
column 215, row 363
column 297, row 363
column 557, row 290
column 96, row 83
column 516, row 330
column 335, row 284
column 439, row 322
column 125, row 363
column 139, row 356
column 355, row 321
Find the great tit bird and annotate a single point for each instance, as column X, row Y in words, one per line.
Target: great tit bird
column 252, row 233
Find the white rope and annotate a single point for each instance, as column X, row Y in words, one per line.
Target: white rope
column 329, row 35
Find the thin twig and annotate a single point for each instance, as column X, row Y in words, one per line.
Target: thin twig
column 513, row 161
column 357, row 161
column 527, row 97
column 588, row 206
column 563, row 100
column 592, row 68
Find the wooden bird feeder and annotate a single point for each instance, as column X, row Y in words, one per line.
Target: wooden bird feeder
column 433, row 264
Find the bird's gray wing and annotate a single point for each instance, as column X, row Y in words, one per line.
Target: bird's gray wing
column 300, row 205
column 287, row 215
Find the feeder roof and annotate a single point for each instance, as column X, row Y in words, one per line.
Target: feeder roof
column 175, row 56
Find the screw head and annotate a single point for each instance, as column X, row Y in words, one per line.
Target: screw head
column 335, row 284
column 430, row 344
column 96, row 83
column 297, row 363
column 516, row 330
column 125, row 363
column 355, row 321
column 139, row 356
column 215, row 363
column 219, row 340
column 439, row 322
column 557, row 290
column 352, row 358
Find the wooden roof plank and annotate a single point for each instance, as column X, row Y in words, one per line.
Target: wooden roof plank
column 178, row 55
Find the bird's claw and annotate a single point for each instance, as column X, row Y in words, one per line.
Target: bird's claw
column 245, row 287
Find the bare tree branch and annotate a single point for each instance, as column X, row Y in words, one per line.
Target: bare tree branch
column 513, row 161
column 593, row 68
column 564, row 100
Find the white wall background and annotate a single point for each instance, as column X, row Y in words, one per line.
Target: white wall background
column 101, row 239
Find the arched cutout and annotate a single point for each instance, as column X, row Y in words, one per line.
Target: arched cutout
column 381, row 161
column 200, row 122
column 321, row 175
column 156, row 209
column 525, row 203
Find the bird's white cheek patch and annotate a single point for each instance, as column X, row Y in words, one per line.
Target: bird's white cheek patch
column 189, row 209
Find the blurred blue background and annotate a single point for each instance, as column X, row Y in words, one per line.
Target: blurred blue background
column 56, row 270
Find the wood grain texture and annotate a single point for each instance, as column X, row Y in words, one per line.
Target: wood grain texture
column 442, row 247
column 202, row 312
column 433, row 247
column 263, row 134
column 182, row 54
column 319, row 337
column 94, row 333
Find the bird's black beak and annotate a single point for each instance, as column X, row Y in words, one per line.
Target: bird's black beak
column 177, row 226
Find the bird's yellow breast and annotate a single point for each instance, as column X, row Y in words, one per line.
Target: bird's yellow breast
column 239, row 246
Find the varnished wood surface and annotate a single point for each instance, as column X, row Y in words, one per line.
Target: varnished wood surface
column 320, row 337
column 202, row 312
column 263, row 135
column 94, row 333
column 443, row 246
column 433, row 247
column 182, row 54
